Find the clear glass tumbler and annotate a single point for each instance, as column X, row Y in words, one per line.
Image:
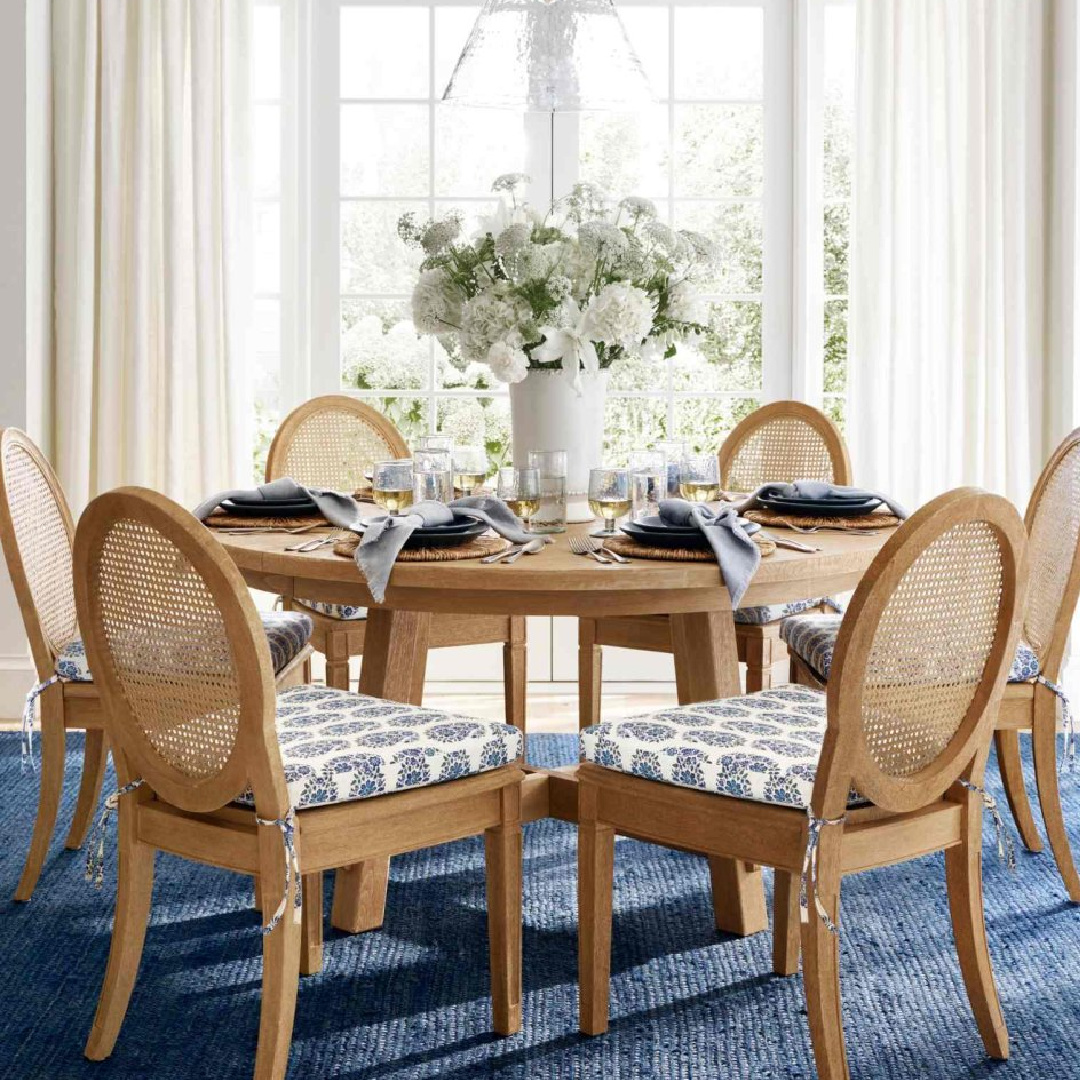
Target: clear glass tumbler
column 551, row 465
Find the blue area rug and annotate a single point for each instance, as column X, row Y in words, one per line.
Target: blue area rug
column 412, row 1000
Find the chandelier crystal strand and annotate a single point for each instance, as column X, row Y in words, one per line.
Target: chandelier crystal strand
column 549, row 56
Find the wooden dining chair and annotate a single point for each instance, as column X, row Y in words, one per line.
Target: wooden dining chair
column 1030, row 699
column 885, row 766
column 217, row 767
column 36, row 531
column 327, row 442
column 784, row 441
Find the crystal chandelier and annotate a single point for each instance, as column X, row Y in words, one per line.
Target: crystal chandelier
column 549, row 56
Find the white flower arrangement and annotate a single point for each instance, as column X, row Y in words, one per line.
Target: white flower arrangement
column 573, row 290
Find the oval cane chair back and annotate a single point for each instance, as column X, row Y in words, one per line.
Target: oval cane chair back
column 922, row 654
column 1053, row 524
column 37, row 532
column 783, row 442
column 327, row 442
column 178, row 652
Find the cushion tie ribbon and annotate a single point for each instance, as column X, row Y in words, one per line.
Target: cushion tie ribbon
column 287, row 825
column 95, row 852
column 28, row 721
column 1066, row 717
column 1005, row 846
column 810, row 871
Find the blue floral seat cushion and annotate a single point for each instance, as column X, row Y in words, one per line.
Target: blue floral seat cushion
column 813, row 638
column 337, row 746
column 763, row 747
column 287, row 632
column 334, row 611
column 767, row 613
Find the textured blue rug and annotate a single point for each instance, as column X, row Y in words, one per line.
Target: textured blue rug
column 412, row 1000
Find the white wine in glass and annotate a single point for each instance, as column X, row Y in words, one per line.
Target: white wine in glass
column 393, row 501
column 610, row 509
column 609, row 497
column 467, row 483
column 524, row 508
column 696, row 491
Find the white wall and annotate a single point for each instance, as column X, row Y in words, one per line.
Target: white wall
column 25, row 272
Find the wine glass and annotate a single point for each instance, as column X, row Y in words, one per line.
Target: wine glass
column 470, row 468
column 609, row 497
column 520, row 490
column 700, row 478
column 392, row 485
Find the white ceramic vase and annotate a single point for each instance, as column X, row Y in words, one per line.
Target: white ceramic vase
column 547, row 414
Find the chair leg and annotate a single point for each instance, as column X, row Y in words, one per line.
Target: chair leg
column 51, row 783
column 337, row 660
column 1012, row 779
column 1044, row 747
column 787, row 927
column 360, row 896
column 311, row 925
column 134, row 888
column 281, row 964
column 963, row 878
column 590, row 674
column 502, row 857
column 759, row 659
column 515, row 674
column 596, row 865
column 821, row 968
column 95, row 756
column 738, row 897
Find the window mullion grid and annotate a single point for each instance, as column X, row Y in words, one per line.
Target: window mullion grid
column 433, row 400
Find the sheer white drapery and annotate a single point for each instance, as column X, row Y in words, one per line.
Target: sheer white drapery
column 950, row 271
column 152, row 242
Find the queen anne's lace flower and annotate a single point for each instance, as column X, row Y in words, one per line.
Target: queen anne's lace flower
column 638, row 209
column 437, row 236
column 513, row 239
column 603, row 240
column 620, row 315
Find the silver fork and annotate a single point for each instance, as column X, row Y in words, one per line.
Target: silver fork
column 596, row 544
column 317, row 542
column 579, row 545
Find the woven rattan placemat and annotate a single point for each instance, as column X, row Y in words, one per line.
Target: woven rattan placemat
column 859, row 521
column 623, row 545
column 474, row 549
column 219, row 519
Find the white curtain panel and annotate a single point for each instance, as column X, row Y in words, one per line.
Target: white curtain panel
column 950, row 290
column 152, row 256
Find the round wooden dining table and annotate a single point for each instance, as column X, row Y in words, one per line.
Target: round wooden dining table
column 554, row 582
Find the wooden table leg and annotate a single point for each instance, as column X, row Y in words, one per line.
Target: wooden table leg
column 707, row 668
column 393, row 666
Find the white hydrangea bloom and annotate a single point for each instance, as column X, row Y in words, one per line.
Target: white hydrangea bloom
column 488, row 318
column 620, row 315
column 436, row 303
column 507, row 361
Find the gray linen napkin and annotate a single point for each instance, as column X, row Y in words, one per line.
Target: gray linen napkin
column 813, row 490
column 736, row 553
column 383, row 539
column 338, row 509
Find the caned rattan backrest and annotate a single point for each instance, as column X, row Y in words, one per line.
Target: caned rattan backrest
column 783, row 442
column 178, row 652
column 328, row 442
column 36, row 528
column 1053, row 524
column 922, row 654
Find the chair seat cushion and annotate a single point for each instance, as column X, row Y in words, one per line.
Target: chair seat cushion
column 287, row 632
column 334, row 611
column 813, row 639
column 763, row 747
column 337, row 746
column 767, row 613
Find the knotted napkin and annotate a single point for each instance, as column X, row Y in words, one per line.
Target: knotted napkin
column 338, row 509
column 385, row 537
column 814, row 491
column 736, row 553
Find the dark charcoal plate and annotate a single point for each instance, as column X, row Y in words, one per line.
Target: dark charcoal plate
column 265, row 509
column 656, row 525
column 459, row 525
column 819, row 509
column 256, row 500
column 667, row 539
column 444, row 538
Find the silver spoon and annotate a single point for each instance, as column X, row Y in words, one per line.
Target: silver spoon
column 531, row 548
